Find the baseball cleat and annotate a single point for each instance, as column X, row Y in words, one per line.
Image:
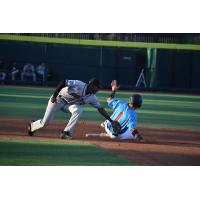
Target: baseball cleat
column 66, row 135
column 30, row 132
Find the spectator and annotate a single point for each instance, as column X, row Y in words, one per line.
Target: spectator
column 41, row 71
column 13, row 71
column 111, row 36
column 97, row 36
column 28, row 71
column 2, row 71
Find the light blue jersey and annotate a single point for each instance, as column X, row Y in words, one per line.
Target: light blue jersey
column 126, row 116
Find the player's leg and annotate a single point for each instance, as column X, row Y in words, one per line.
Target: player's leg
column 14, row 74
column 22, row 76
column 97, row 135
column 107, row 129
column 48, row 116
column 76, row 112
column 129, row 135
column 34, row 76
column 106, row 134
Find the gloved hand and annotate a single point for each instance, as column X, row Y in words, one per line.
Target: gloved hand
column 116, row 127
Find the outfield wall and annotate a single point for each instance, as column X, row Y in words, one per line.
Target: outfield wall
column 78, row 62
column 175, row 69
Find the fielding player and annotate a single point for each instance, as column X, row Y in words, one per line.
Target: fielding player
column 68, row 97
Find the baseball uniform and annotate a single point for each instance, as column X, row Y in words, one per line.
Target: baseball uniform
column 68, row 103
column 126, row 116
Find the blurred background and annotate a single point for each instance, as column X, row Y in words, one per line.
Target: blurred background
column 144, row 61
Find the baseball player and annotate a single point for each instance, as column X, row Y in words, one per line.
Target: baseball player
column 68, row 97
column 124, row 113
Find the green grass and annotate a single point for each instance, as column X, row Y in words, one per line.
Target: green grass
column 50, row 153
column 158, row 110
column 98, row 42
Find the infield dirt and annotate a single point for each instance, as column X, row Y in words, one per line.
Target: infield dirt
column 162, row 147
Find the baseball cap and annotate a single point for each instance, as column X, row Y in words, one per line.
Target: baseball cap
column 95, row 82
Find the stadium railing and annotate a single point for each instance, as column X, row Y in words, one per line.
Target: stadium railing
column 178, row 38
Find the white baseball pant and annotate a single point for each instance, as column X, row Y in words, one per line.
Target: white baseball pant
column 74, row 109
column 126, row 135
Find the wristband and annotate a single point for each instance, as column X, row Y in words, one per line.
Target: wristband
column 112, row 95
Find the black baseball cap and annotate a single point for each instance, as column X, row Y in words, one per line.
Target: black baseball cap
column 95, row 82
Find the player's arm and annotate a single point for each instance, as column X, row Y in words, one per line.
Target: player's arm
column 115, row 124
column 60, row 86
column 137, row 135
column 134, row 131
column 95, row 103
column 104, row 113
column 115, row 87
column 112, row 96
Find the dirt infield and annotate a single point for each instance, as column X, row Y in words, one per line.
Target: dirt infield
column 168, row 147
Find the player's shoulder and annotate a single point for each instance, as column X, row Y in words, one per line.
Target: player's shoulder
column 122, row 102
column 117, row 103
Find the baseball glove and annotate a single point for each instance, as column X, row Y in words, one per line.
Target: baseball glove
column 116, row 127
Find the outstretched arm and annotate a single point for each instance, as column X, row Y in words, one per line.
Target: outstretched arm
column 115, row 124
column 115, row 87
column 103, row 112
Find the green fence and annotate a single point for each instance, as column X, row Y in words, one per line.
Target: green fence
column 185, row 38
column 166, row 66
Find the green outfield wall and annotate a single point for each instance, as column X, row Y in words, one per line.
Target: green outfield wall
column 175, row 66
column 98, row 42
